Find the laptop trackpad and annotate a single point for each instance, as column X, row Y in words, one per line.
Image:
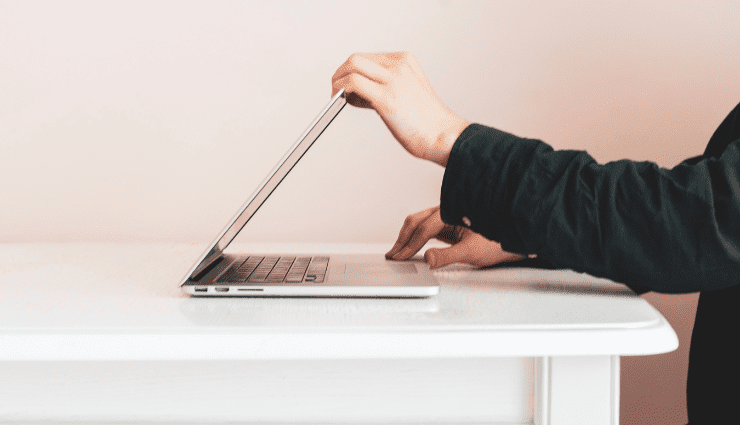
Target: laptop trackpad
column 379, row 268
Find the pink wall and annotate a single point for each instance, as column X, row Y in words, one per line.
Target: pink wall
column 115, row 116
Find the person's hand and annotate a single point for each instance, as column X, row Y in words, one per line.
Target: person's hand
column 395, row 87
column 467, row 246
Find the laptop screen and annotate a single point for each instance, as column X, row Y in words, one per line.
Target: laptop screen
column 273, row 179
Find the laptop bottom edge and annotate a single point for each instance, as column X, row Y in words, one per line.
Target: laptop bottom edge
column 310, row 291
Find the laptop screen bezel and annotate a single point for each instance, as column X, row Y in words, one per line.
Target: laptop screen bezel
column 268, row 185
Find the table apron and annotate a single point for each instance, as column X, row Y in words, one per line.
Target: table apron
column 498, row 390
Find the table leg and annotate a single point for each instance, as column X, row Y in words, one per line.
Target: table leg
column 576, row 390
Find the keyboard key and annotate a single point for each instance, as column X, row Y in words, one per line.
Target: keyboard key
column 273, row 279
column 257, row 277
column 231, row 270
column 297, row 270
column 242, row 274
column 252, row 261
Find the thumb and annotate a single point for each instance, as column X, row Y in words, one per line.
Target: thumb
column 440, row 257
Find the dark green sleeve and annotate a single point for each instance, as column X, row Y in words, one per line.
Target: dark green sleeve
column 654, row 229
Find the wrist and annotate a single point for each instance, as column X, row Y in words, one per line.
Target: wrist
column 440, row 150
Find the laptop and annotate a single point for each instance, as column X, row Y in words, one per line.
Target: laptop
column 217, row 273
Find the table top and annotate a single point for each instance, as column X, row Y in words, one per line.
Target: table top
column 106, row 301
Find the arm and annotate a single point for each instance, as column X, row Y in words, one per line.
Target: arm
column 672, row 231
column 653, row 229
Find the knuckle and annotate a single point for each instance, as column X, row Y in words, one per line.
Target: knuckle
column 353, row 80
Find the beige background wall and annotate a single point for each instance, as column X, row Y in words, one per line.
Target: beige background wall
column 153, row 121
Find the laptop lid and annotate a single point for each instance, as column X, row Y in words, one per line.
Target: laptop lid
column 264, row 190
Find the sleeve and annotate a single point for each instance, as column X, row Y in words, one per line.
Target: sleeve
column 654, row 229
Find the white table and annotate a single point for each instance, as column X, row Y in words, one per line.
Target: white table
column 101, row 332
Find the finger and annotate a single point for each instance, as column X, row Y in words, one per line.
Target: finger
column 360, row 91
column 421, row 235
column 491, row 252
column 440, row 257
column 409, row 225
column 474, row 249
column 364, row 65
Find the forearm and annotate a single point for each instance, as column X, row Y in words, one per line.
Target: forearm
column 632, row 222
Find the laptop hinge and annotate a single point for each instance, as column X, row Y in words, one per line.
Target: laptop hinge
column 211, row 261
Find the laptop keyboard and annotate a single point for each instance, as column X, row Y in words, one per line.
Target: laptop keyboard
column 274, row 269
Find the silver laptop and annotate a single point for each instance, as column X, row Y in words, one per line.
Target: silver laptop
column 294, row 274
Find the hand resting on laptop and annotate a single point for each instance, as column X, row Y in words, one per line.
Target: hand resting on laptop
column 467, row 246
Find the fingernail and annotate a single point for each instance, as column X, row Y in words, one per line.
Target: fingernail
column 432, row 261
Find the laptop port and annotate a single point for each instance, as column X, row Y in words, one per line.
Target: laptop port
column 250, row 289
column 202, row 289
column 222, row 289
